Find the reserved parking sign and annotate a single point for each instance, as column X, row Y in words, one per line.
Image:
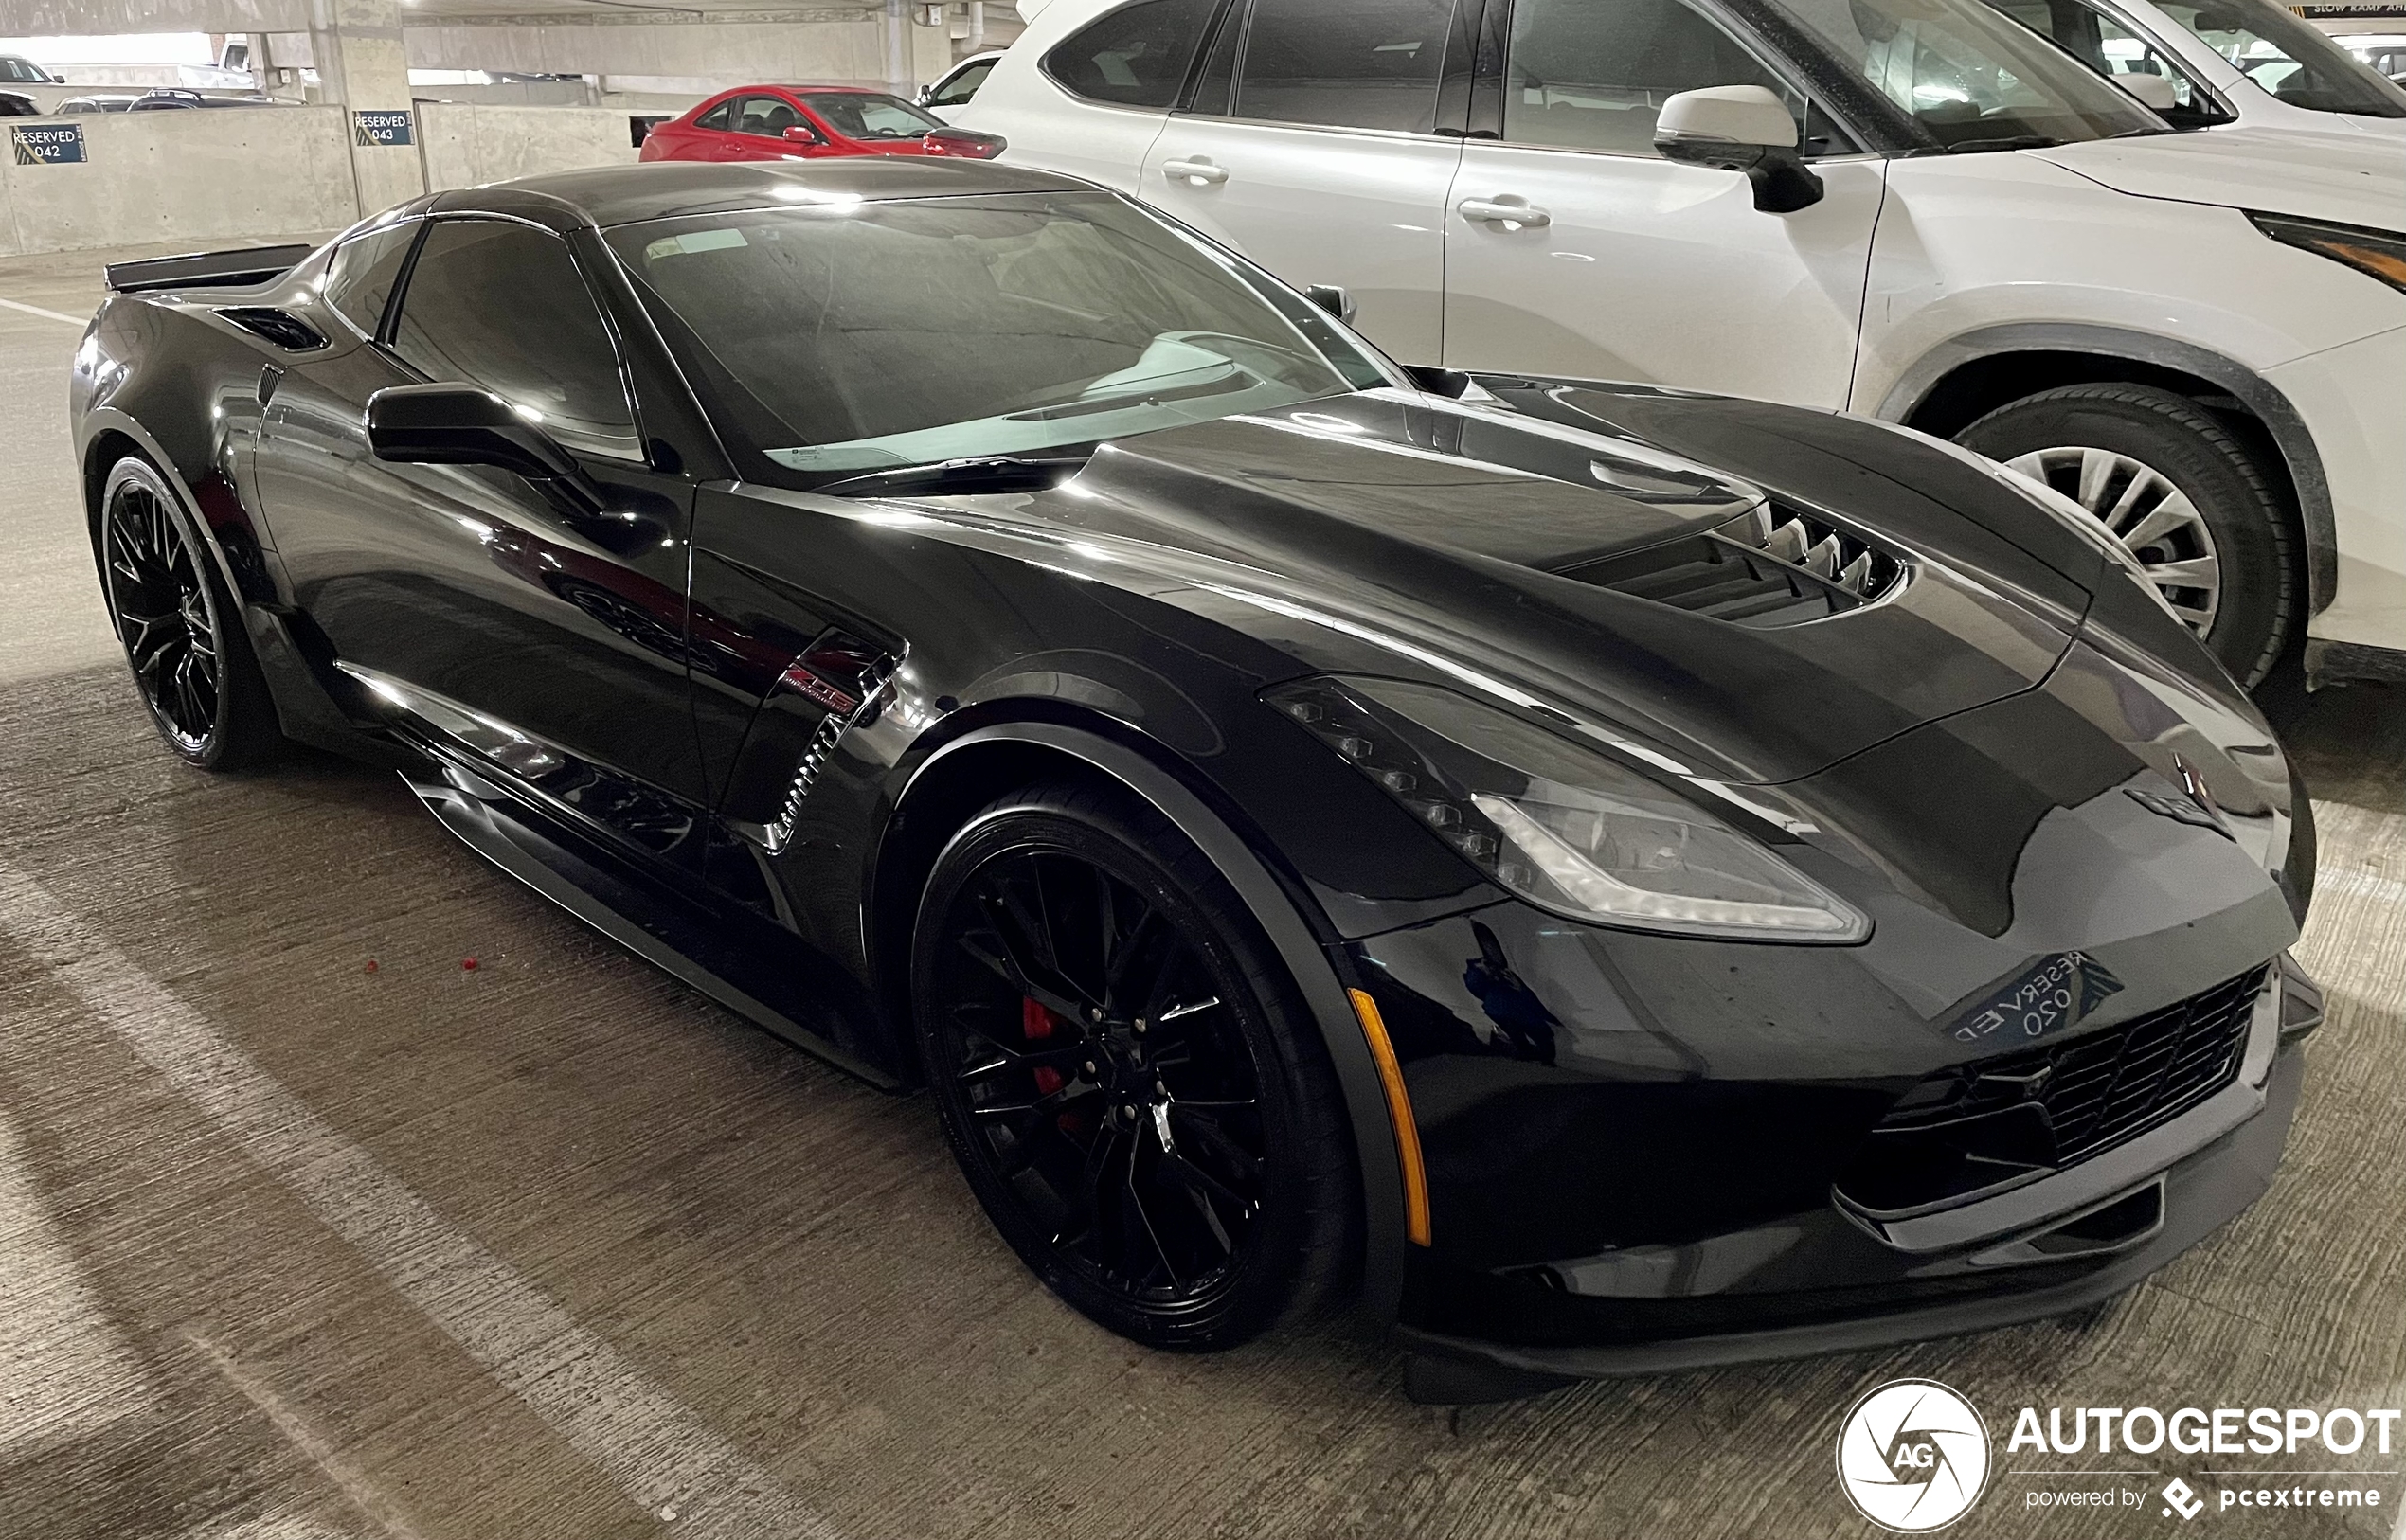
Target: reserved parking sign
column 385, row 128
column 48, row 144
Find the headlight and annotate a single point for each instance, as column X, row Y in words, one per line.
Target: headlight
column 1564, row 827
column 2379, row 254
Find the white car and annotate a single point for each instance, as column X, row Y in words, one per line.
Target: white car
column 2205, row 62
column 1914, row 210
column 955, row 86
column 2384, row 52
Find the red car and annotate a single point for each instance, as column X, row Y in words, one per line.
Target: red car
column 794, row 122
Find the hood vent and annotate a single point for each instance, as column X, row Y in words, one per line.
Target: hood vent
column 1769, row 566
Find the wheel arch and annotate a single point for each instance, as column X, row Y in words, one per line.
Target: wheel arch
column 968, row 770
column 108, row 436
column 1969, row 375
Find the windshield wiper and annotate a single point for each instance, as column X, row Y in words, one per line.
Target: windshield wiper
column 981, row 473
column 2007, row 141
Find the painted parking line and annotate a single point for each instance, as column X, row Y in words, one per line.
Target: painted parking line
column 362, row 1493
column 45, row 315
column 664, row 1458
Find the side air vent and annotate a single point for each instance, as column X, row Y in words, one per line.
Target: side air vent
column 1770, row 566
column 282, row 328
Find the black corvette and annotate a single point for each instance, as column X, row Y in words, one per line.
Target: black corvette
column 1615, row 879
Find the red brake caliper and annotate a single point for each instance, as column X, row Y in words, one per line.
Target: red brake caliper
column 1038, row 1024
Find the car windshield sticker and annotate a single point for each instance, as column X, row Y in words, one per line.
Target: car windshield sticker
column 2047, row 998
column 48, row 144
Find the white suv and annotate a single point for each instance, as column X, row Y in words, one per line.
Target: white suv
column 2204, row 63
column 1917, row 210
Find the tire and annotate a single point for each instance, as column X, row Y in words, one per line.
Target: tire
column 1180, row 1171
column 182, row 636
column 2214, row 496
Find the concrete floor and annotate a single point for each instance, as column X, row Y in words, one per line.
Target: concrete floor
column 554, row 1248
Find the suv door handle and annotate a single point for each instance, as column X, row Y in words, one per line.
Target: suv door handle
column 1199, row 171
column 1498, row 212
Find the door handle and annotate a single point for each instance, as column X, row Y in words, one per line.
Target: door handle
column 1199, row 171
column 1498, row 212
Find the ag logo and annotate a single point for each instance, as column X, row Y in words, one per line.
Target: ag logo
column 1913, row 1456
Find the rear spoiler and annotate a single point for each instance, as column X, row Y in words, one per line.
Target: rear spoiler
column 197, row 269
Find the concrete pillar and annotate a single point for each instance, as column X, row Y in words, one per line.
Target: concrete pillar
column 360, row 66
column 976, row 38
column 898, row 51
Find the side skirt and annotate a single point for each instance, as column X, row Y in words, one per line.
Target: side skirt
column 672, row 933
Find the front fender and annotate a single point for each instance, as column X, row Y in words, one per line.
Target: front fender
column 1912, row 387
column 1302, row 940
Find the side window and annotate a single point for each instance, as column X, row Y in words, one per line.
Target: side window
column 2125, row 52
column 1593, row 74
column 963, row 86
column 2110, row 49
column 500, row 305
column 721, row 117
column 364, row 268
column 768, row 116
column 1343, row 64
column 1135, row 57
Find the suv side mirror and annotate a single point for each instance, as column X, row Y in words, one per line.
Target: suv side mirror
column 1740, row 128
column 2156, row 92
column 1333, row 299
column 456, row 424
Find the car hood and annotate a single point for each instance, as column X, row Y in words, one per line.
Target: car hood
column 2348, row 179
column 1546, row 550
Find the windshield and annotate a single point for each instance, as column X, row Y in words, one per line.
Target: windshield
column 850, row 337
column 858, row 115
column 1965, row 77
column 2294, row 61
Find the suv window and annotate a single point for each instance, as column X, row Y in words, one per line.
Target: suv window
column 721, row 117
column 364, row 270
column 501, row 305
column 1135, row 57
column 2110, row 49
column 1341, row 63
column 1593, row 74
column 963, row 86
column 22, row 72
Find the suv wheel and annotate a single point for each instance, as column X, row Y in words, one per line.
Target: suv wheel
column 2184, row 494
column 1123, row 1070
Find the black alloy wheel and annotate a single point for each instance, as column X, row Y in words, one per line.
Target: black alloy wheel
column 1108, row 1044
column 196, row 675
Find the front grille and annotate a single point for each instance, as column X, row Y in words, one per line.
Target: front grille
column 1982, row 1125
column 1770, row 566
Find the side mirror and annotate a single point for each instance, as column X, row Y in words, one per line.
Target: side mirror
column 2153, row 91
column 964, row 144
column 1333, row 299
column 803, row 134
column 1740, row 128
column 456, row 424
